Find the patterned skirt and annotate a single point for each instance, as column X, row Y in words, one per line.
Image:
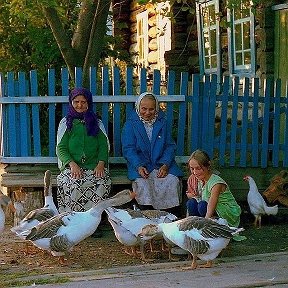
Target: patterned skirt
column 81, row 194
column 161, row 193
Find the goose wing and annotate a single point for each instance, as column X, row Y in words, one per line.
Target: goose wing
column 40, row 214
column 207, row 228
column 47, row 229
column 159, row 216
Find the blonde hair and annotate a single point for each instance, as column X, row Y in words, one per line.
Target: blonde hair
column 201, row 157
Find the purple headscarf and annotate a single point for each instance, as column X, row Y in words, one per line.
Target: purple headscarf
column 90, row 118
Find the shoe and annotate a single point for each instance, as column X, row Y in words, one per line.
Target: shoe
column 97, row 234
column 178, row 251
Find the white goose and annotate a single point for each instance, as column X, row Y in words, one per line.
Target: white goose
column 5, row 201
column 256, row 202
column 203, row 238
column 127, row 224
column 62, row 232
column 36, row 216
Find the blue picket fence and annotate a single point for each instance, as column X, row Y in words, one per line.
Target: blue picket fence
column 241, row 122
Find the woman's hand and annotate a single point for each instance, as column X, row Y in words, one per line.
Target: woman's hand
column 99, row 169
column 143, row 172
column 163, row 171
column 76, row 171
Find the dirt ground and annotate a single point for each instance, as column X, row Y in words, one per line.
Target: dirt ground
column 107, row 252
column 92, row 253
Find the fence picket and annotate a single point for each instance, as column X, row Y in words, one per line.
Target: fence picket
column 244, row 123
column 234, row 119
column 23, row 111
column 255, row 123
column 265, row 127
column 276, row 123
column 51, row 114
column 116, row 114
column 35, row 115
column 224, row 117
column 29, row 134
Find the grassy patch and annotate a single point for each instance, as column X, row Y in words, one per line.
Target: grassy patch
column 18, row 282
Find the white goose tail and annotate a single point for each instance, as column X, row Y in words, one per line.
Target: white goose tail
column 271, row 210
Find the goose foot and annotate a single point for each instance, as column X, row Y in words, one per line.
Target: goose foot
column 207, row 265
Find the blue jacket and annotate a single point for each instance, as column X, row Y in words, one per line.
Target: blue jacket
column 138, row 151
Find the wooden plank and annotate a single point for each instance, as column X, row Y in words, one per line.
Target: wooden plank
column 211, row 115
column 96, row 99
column 36, row 180
column 244, row 122
column 105, row 91
column 51, row 114
column 265, row 127
column 255, row 123
column 285, row 146
column 170, row 90
column 143, row 80
column 65, row 90
column 78, row 77
column 234, row 120
column 116, row 114
column 196, row 114
column 129, row 90
column 25, row 137
column 205, row 114
column 276, row 123
column 182, row 113
column 11, row 135
column 35, row 116
column 223, row 128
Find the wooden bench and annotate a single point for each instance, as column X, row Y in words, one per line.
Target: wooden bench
column 32, row 175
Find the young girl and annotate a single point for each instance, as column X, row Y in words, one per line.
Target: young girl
column 215, row 191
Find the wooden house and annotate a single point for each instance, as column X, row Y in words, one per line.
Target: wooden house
column 206, row 37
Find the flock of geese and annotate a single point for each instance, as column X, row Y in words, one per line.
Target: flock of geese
column 59, row 233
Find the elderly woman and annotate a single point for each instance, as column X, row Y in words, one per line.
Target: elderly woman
column 150, row 153
column 82, row 151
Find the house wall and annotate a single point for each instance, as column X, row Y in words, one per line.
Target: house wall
column 184, row 55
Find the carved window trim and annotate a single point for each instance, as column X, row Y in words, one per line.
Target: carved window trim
column 209, row 37
column 142, row 39
column 241, row 41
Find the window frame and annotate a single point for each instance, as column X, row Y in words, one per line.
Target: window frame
column 164, row 37
column 143, row 61
column 201, row 41
column 235, row 69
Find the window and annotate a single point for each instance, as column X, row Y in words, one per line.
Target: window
column 241, row 39
column 208, row 36
column 142, row 39
column 163, row 25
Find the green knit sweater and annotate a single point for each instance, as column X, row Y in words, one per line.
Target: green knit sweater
column 85, row 150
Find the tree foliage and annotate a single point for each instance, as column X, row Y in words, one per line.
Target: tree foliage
column 38, row 34
column 26, row 40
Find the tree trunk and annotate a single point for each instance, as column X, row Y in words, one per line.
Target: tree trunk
column 96, row 40
column 85, row 47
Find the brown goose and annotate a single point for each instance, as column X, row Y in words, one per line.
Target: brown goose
column 62, row 232
column 203, row 238
column 36, row 216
